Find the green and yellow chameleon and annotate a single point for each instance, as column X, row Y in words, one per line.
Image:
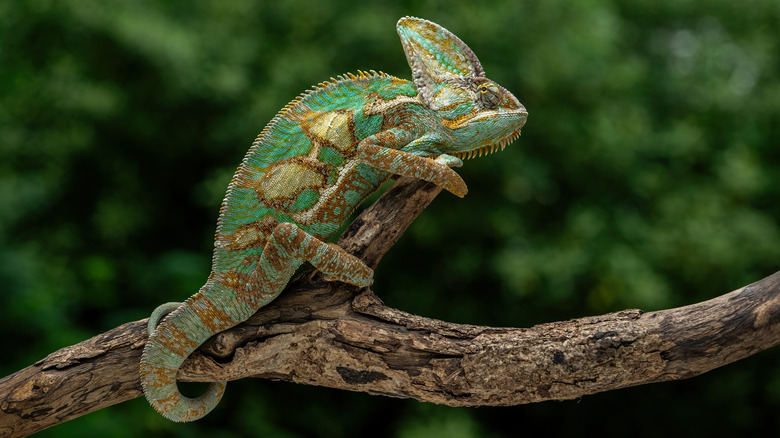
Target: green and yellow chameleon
column 307, row 171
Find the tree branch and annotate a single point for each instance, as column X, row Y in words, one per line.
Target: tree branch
column 327, row 334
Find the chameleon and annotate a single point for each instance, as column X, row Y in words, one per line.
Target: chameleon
column 309, row 169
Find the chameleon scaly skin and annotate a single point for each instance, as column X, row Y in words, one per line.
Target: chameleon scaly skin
column 307, row 171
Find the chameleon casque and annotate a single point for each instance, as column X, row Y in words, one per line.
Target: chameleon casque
column 308, row 170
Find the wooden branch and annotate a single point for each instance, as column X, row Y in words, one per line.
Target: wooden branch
column 328, row 334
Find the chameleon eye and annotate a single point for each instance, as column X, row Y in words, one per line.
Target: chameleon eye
column 488, row 96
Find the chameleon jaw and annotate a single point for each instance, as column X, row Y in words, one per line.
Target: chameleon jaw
column 488, row 149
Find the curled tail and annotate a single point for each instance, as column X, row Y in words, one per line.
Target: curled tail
column 169, row 345
column 228, row 298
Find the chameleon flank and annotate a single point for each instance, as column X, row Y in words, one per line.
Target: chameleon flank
column 308, row 170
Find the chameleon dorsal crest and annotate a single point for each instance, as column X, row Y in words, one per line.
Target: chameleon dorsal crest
column 435, row 56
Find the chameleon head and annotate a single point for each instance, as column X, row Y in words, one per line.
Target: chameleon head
column 480, row 115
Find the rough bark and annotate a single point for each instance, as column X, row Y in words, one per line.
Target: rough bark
column 332, row 335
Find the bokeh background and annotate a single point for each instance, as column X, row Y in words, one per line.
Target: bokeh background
column 648, row 176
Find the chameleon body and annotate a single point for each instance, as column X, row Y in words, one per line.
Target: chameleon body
column 308, row 170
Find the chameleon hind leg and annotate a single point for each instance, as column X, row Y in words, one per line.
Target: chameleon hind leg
column 289, row 246
column 226, row 300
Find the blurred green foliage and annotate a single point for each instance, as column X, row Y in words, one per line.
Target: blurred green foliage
column 648, row 176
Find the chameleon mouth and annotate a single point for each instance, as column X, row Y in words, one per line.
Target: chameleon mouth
column 489, row 149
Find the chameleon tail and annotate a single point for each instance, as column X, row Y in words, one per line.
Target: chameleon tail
column 219, row 306
column 174, row 339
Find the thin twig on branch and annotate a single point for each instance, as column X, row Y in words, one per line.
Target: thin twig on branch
column 328, row 334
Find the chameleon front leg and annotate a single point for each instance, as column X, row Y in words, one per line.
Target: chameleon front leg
column 438, row 171
column 226, row 300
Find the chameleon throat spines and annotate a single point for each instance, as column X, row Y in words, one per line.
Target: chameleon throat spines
column 309, row 168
